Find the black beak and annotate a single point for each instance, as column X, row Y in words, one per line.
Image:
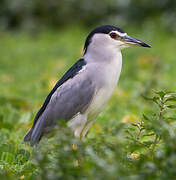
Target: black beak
column 131, row 40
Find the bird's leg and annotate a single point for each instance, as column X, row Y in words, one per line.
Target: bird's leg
column 85, row 129
column 78, row 123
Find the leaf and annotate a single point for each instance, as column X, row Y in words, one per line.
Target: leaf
column 171, row 106
column 160, row 93
column 24, row 152
column 154, row 99
column 7, row 148
column 129, row 133
column 148, row 143
column 8, row 157
column 170, row 118
column 145, row 117
column 170, row 97
column 149, row 134
column 147, row 98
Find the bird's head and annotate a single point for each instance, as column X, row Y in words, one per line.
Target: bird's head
column 111, row 37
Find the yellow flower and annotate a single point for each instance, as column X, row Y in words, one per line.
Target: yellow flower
column 76, row 163
column 22, row 177
column 97, row 128
column 130, row 119
column 135, row 155
column 74, row 147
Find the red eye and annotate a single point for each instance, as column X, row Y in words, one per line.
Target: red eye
column 113, row 35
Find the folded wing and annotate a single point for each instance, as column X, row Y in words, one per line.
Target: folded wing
column 71, row 95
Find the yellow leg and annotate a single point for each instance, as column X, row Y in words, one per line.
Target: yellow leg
column 85, row 129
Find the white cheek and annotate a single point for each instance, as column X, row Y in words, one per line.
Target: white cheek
column 120, row 44
column 124, row 46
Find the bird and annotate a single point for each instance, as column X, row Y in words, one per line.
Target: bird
column 84, row 90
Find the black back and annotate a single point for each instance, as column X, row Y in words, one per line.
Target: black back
column 106, row 29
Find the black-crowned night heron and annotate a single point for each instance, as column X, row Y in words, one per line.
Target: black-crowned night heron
column 84, row 90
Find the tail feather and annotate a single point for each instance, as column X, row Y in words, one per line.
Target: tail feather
column 28, row 135
column 36, row 133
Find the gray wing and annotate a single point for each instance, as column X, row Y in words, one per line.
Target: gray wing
column 70, row 98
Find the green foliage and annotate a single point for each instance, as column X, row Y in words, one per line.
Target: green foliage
column 144, row 150
column 14, row 156
column 134, row 138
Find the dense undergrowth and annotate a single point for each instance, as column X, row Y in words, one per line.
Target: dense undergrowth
column 134, row 138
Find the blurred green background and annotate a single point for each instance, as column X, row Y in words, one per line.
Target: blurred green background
column 40, row 40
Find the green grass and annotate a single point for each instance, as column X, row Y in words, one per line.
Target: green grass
column 30, row 64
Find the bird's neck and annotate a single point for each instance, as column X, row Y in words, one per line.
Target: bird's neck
column 107, row 65
column 103, row 54
column 107, row 62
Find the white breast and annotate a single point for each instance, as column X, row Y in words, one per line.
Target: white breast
column 109, row 76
